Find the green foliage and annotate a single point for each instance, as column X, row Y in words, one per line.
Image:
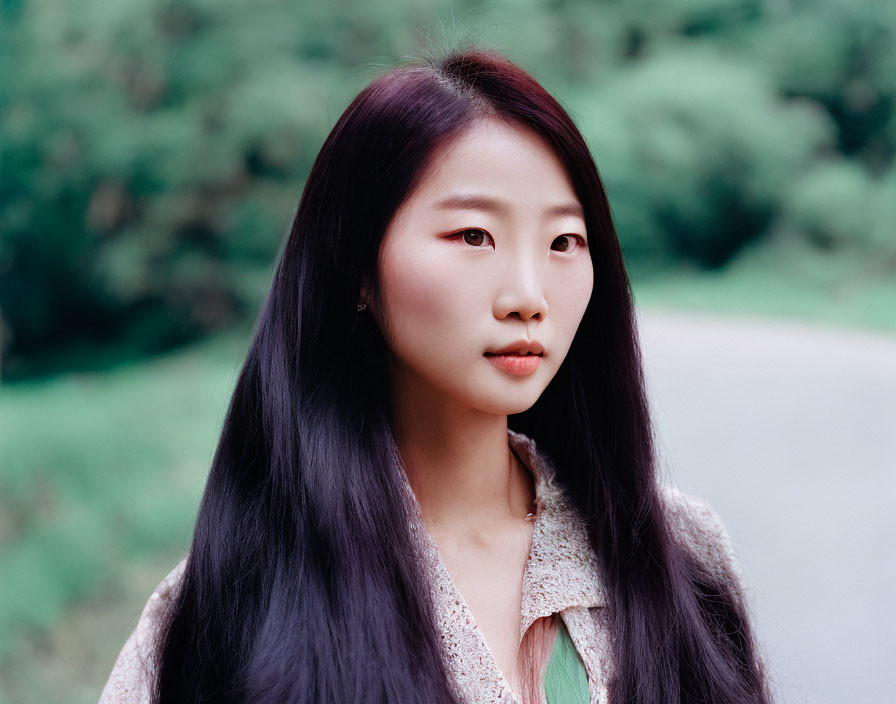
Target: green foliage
column 840, row 54
column 149, row 170
column 839, row 206
column 153, row 151
column 695, row 153
column 98, row 471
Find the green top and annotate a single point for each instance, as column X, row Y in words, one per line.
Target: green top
column 565, row 681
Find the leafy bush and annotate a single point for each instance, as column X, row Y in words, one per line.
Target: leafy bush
column 696, row 152
column 149, row 171
column 839, row 206
column 840, row 54
column 153, row 150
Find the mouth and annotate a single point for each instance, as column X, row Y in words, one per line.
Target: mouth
column 514, row 363
column 520, row 348
column 514, row 354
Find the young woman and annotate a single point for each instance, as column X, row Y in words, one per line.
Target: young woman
column 436, row 480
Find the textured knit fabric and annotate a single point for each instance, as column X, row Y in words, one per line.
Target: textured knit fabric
column 561, row 576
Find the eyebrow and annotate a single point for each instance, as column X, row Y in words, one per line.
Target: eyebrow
column 461, row 201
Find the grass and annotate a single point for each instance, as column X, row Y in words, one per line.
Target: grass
column 782, row 280
column 100, row 480
column 101, row 473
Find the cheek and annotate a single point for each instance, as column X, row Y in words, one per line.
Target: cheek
column 424, row 297
column 571, row 295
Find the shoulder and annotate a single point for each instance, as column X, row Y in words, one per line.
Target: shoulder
column 699, row 529
column 132, row 675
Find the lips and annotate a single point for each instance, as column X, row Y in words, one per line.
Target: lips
column 520, row 348
column 515, row 364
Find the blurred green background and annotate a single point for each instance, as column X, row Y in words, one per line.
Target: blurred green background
column 151, row 157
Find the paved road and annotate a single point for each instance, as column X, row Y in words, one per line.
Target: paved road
column 789, row 431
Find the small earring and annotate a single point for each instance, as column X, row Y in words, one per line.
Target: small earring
column 361, row 306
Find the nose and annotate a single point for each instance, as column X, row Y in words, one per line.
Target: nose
column 521, row 293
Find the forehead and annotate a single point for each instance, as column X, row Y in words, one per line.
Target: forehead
column 494, row 165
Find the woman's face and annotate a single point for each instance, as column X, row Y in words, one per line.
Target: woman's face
column 491, row 249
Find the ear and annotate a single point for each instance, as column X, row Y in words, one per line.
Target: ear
column 364, row 289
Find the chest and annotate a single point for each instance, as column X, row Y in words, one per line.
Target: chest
column 490, row 577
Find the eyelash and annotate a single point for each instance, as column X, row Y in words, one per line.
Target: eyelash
column 580, row 241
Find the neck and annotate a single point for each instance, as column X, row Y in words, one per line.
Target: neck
column 459, row 463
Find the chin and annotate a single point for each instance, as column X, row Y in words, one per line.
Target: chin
column 508, row 403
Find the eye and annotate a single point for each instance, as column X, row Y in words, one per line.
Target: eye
column 568, row 243
column 473, row 236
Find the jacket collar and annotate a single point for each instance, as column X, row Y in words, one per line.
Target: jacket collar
column 561, row 573
column 562, row 570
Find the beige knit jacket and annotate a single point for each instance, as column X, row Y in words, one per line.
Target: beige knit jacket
column 561, row 577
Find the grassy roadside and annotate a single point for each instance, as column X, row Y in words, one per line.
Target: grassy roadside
column 99, row 483
column 781, row 281
column 71, row 662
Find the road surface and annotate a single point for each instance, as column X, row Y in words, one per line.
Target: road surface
column 789, row 431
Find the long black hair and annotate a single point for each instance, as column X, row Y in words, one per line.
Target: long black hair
column 302, row 583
